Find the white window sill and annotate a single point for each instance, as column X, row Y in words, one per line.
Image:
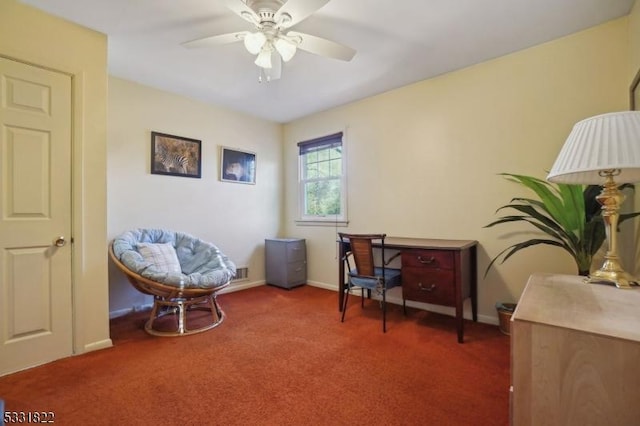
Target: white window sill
column 322, row 222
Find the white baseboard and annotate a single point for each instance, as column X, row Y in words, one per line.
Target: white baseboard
column 323, row 285
column 135, row 308
column 120, row 313
column 94, row 346
column 241, row 285
column 234, row 286
column 394, row 296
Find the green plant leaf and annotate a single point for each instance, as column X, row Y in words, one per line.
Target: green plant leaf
column 511, row 250
column 552, row 202
column 569, row 215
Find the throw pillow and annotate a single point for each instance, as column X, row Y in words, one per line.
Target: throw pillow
column 162, row 256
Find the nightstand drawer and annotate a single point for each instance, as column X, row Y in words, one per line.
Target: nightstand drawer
column 297, row 272
column 433, row 259
column 436, row 286
column 296, row 251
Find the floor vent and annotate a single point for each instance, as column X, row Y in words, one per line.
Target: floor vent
column 242, row 274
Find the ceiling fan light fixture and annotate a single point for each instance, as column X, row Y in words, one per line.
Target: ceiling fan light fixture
column 285, row 19
column 254, row 42
column 265, row 75
column 264, row 58
column 286, row 48
column 271, row 42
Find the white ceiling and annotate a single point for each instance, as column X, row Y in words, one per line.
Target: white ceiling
column 398, row 42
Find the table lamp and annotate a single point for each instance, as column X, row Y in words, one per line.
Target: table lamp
column 603, row 150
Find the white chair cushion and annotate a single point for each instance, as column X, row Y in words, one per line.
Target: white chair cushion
column 202, row 264
column 162, row 256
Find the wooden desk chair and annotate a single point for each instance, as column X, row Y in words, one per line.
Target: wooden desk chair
column 365, row 274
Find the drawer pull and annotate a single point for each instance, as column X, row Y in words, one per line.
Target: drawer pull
column 426, row 261
column 430, row 288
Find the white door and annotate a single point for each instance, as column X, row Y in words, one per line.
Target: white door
column 35, row 212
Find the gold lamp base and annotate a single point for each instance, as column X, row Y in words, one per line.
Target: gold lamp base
column 611, row 271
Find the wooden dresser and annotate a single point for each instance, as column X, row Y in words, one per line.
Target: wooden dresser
column 575, row 354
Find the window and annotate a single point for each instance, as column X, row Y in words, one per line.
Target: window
column 321, row 177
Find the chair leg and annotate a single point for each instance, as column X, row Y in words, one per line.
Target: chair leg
column 344, row 303
column 182, row 317
column 362, row 297
column 404, row 306
column 216, row 312
column 154, row 313
column 384, row 311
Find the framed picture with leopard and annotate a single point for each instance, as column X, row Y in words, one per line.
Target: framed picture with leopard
column 237, row 166
column 175, row 155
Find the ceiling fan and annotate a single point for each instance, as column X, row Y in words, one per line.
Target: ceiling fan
column 271, row 42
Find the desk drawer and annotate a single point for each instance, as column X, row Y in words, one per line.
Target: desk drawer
column 432, row 259
column 436, row 286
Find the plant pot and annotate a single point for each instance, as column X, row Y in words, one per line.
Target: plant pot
column 505, row 310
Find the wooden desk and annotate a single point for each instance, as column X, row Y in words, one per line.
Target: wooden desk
column 440, row 272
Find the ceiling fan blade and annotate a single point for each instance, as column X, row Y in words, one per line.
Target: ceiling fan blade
column 297, row 10
column 323, row 47
column 242, row 10
column 216, row 40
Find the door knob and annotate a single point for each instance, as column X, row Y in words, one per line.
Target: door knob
column 60, row 241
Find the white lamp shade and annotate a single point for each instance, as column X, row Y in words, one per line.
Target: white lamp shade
column 285, row 48
column 264, row 58
column 604, row 142
column 254, row 42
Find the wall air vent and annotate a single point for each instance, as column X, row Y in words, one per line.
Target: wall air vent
column 242, row 274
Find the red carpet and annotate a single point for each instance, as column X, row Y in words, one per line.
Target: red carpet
column 280, row 358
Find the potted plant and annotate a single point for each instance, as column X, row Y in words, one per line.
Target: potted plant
column 505, row 310
column 569, row 215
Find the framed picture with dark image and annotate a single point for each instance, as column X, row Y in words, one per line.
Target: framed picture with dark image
column 175, row 155
column 237, row 166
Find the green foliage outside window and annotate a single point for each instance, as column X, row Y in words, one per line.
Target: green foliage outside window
column 322, row 171
column 322, row 198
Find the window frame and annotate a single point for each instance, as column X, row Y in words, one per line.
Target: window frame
column 328, row 220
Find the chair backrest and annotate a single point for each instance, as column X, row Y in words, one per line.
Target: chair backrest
column 362, row 250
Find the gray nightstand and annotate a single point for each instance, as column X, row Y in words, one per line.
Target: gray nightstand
column 285, row 262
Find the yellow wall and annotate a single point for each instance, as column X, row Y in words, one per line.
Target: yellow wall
column 634, row 68
column 423, row 159
column 634, row 40
column 29, row 35
column 236, row 217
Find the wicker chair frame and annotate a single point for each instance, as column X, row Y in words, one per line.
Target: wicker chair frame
column 171, row 300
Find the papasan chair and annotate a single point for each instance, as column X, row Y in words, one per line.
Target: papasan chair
column 182, row 273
